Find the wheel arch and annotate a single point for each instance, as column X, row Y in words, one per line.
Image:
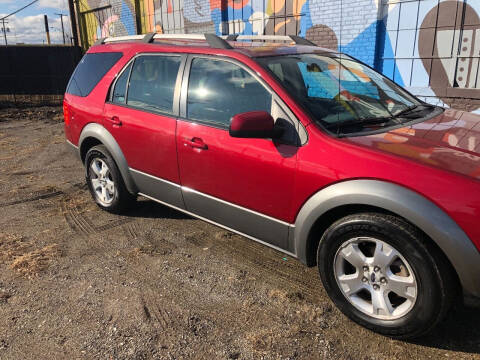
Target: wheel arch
column 95, row 134
column 354, row 196
column 326, row 219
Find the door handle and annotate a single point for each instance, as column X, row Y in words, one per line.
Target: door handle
column 196, row 143
column 115, row 120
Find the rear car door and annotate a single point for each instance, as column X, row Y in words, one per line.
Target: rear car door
column 244, row 184
column 141, row 116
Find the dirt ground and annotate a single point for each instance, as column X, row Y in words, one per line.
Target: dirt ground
column 77, row 282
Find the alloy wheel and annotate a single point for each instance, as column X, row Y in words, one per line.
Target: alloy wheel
column 101, row 181
column 375, row 278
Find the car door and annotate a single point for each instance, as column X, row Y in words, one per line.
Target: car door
column 243, row 184
column 141, row 116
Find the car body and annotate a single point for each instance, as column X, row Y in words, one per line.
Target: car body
column 284, row 193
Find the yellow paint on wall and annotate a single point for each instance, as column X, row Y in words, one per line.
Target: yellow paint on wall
column 88, row 24
column 147, row 11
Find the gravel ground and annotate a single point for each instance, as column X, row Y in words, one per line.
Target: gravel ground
column 77, row 282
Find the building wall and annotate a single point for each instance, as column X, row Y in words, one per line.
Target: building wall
column 431, row 47
column 101, row 18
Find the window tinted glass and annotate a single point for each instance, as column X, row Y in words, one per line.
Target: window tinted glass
column 152, row 83
column 120, row 90
column 218, row 90
column 90, row 71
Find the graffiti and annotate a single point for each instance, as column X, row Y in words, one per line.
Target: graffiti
column 437, row 55
column 198, row 8
column 431, row 47
column 99, row 19
column 168, row 16
column 457, row 49
column 108, row 28
column 323, row 35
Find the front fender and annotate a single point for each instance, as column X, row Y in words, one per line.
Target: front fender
column 406, row 203
column 97, row 131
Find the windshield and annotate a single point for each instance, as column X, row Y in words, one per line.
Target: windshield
column 340, row 91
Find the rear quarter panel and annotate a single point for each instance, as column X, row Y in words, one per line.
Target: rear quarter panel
column 84, row 110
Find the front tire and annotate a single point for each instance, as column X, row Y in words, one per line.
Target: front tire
column 383, row 274
column 105, row 181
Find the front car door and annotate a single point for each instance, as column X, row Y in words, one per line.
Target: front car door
column 141, row 116
column 243, row 184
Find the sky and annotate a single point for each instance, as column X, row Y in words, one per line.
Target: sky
column 28, row 25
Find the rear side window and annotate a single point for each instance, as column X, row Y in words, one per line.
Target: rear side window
column 152, row 82
column 90, row 71
column 120, row 91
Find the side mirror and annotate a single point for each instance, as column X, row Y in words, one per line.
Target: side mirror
column 253, row 124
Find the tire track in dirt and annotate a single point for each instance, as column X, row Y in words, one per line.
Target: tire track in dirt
column 155, row 313
column 112, row 224
column 153, row 305
column 76, row 220
column 261, row 258
column 40, row 195
column 268, row 261
column 33, row 198
column 131, row 230
column 263, row 262
column 79, row 223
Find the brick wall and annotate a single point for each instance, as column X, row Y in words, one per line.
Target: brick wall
column 100, row 18
column 125, row 10
column 413, row 42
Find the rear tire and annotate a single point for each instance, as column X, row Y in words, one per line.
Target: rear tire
column 105, row 181
column 385, row 275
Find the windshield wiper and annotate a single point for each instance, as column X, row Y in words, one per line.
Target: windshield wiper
column 361, row 121
column 407, row 110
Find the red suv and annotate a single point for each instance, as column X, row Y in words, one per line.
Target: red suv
column 303, row 149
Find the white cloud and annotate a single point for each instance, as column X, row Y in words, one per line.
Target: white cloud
column 54, row 4
column 8, row 6
column 31, row 29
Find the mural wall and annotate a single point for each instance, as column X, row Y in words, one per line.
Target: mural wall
column 431, row 47
column 101, row 18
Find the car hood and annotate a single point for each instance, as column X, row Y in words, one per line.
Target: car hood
column 450, row 141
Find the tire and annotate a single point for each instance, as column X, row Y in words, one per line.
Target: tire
column 414, row 279
column 105, row 181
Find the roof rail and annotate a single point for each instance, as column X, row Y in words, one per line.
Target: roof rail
column 296, row 39
column 213, row 40
column 301, row 41
column 217, row 42
column 148, row 38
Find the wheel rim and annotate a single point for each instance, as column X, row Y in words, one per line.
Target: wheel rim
column 101, row 180
column 375, row 278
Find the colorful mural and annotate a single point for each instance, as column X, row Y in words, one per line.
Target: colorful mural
column 102, row 18
column 431, row 47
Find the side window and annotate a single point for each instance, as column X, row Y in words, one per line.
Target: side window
column 120, row 90
column 152, row 82
column 217, row 90
column 90, row 71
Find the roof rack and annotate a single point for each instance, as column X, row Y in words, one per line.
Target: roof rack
column 296, row 39
column 217, row 42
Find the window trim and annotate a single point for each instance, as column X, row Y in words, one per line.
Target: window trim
column 114, row 83
column 176, row 92
column 301, row 131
